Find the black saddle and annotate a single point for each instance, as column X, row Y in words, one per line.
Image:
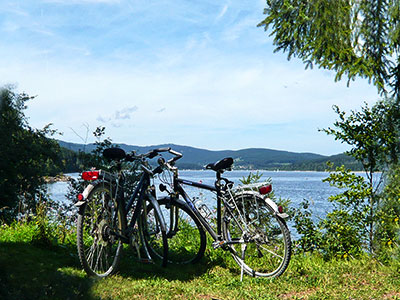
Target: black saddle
column 223, row 164
column 114, row 153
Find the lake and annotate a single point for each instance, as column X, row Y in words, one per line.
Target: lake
column 292, row 185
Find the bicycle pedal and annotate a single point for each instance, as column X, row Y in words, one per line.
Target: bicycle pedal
column 146, row 261
column 218, row 244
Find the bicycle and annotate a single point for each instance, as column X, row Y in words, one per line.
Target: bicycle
column 102, row 226
column 248, row 223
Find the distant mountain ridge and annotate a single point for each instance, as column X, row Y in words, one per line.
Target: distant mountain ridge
column 252, row 158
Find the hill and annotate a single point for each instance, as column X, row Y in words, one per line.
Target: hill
column 252, row 158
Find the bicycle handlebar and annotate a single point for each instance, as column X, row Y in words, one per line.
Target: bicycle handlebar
column 177, row 155
column 153, row 153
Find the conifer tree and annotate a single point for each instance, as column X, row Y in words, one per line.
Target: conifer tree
column 351, row 37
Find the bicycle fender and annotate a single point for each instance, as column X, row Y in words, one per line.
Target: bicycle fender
column 274, row 206
column 85, row 195
column 270, row 203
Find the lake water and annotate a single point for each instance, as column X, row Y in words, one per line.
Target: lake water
column 295, row 186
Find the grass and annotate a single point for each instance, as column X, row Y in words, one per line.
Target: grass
column 31, row 270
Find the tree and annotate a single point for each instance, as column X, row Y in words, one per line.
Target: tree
column 354, row 38
column 26, row 155
column 351, row 37
column 375, row 144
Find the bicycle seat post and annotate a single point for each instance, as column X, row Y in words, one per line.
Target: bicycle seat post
column 219, row 210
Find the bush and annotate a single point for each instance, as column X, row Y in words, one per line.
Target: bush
column 26, row 156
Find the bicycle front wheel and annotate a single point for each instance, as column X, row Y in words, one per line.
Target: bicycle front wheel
column 99, row 248
column 186, row 237
column 153, row 232
column 259, row 239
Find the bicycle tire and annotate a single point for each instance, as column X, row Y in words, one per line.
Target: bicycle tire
column 99, row 250
column 259, row 240
column 153, row 234
column 186, row 236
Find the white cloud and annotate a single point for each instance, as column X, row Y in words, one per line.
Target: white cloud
column 222, row 13
column 214, row 86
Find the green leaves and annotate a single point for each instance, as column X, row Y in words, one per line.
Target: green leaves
column 26, row 154
column 372, row 133
column 352, row 38
column 362, row 218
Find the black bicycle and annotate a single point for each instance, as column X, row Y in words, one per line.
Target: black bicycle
column 103, row 227
column 248, row 223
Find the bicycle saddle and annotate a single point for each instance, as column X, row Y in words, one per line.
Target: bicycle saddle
column 114, row 153
column 223, row 164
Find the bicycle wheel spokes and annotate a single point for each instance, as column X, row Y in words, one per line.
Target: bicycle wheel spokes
column 98, row 247
column 267, row 239
column 155, row 239
column 186, row 237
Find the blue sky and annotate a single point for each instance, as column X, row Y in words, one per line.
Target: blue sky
column 198, row 73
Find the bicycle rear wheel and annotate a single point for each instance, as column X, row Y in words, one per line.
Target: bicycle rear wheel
column 99, row 249
column 259, row 240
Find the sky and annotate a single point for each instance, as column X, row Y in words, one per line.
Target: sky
column 195, row 73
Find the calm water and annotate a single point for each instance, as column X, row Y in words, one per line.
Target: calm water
column 295, row 186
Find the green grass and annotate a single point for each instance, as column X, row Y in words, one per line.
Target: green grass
column 31, row 270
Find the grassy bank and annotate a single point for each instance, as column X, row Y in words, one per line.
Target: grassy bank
column 34, row 270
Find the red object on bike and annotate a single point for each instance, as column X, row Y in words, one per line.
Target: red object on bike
column 90, row 175
column 265, row 189
column 80, row 197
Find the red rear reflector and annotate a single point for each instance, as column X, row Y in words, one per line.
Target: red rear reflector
column 80, row 197
column 90, row 175
column 265, row 189
column 280, row 209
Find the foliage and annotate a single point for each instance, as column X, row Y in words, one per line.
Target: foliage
column 251, row 178
column 347, row 228
column 353, row 38
column 27, row 154
column 343, row 231
column 388, row 229
column 310, row 235
column 355, row 223
column 372, row 133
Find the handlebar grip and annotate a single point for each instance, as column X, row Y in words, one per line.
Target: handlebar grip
column 162, row 149
column 175, row 153
column 157, row 170
column 153, row 153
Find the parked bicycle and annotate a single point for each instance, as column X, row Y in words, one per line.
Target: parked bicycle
column 248, row 223
column 106, row 221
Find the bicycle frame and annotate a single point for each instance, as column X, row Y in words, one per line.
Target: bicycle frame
column 142, row 192
column 217, row 236
column 178, row 187
column 139, row 195
column 178, row 182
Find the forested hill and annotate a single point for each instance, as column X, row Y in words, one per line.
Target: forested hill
column 252, row 158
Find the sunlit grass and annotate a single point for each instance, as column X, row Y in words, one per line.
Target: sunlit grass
column 31, row 271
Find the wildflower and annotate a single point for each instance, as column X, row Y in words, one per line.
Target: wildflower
column 396, row 219
column 345, row 255
column 389, row 242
